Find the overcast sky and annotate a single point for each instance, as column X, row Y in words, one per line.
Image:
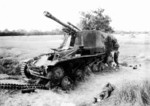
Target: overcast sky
column 126, row 15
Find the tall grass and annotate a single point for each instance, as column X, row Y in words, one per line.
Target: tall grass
column 134, row 93
column 9, row 66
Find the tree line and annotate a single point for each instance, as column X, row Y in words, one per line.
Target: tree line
column 21, row 32
column 93, row 20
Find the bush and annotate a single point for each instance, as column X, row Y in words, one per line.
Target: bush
column 96, row 20
column 9, row 66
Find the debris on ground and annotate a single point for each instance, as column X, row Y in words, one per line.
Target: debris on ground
column 135, row 67
column 28, row 90
column 106, row 92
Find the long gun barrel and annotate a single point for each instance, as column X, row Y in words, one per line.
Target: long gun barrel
column 74, row 26
column 49, row 15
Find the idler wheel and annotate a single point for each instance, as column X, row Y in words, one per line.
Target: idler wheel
column 67, row 83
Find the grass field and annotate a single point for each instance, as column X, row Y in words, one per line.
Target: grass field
column 132, row 86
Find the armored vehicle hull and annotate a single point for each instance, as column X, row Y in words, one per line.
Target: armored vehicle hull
column 82, row 53
column 65, row 67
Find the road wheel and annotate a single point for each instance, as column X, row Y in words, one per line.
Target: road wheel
column 87, row 71
column 58, row 73
column 95, row 67
column 79, row 75
column 101, row 66
column 67, row 83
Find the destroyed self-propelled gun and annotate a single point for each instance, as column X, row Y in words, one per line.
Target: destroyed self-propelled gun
column 81, row 53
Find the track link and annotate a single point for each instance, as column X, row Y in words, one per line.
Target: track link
column 22, row 70
column 10, row 86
